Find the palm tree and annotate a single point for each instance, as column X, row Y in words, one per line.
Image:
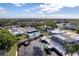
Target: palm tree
column 72, row 48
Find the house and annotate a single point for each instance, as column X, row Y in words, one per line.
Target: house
column 16, row 30
column 55, row 31
column 32, row 32
column 52, row 43
column 58, row 46
column 70, row 27
column 1, row 26
column 66, row 25
column 65, row 35
column 59, row 38
column 61, row 25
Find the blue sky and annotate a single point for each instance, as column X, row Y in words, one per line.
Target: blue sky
column 24, row 10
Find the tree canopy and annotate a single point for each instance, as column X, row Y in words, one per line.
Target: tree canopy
column 44, row 25
column 72, row 48
column 6, row 39
column 51, row 23
column 77, row 30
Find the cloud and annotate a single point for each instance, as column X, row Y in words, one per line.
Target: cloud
column 57, row 5
column 48, row 8
column 2, row 10
column 18, row 4
column 33, row 11
column 26, row 10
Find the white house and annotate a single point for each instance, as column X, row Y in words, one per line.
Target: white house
column 16, row 31
column 56, row 31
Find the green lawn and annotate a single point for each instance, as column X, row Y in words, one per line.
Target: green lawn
column 20, row 37
column 12, row 51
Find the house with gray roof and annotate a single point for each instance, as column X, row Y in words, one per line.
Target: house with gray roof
column 32, row 32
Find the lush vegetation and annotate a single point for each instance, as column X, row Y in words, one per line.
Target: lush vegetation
column 8, row 42
column 72, row 48
column 6, row 22
column 22, row 36
column 77, row 30
column 51, row 24
column 75, row 22
column 44, row 25
column 6, row 39
column 12, row 51
column 66, row 21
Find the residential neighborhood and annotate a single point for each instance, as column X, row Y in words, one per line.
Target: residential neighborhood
column 39, row 29
column 43, row 39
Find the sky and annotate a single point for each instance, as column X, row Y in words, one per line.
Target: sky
column 64, row 9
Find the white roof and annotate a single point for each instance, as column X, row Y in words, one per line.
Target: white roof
column 30, row 29
column 46, row 38
column 16, row 31
column 65, row 38
column 76, row 37
column 61, row 37
column 57, row 31
column 66, row 35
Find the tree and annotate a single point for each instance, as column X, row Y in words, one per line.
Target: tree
column 51, row 23
column 77, row 30
column 72, row 48
column 66, row 21
column 75, row 22
column 5, row 22
column 38, row 25
column 6, row 39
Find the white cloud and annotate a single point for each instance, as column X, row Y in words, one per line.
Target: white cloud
column 26, row 10
column 2, row 10
column 33, row 11
column 56, row 5
column 18, row 4
column 48, row 8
